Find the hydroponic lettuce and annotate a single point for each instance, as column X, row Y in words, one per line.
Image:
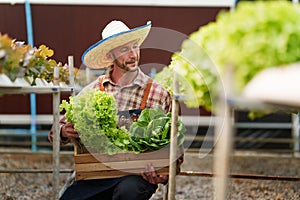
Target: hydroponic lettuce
column 152, row 130
column 92, row 112
column 94, row 115
column 254, row 36
column 196, row 76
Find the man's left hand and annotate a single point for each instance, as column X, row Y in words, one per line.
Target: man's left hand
column 152, row 177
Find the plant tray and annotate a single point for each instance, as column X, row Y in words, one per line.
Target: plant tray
column 100, row 166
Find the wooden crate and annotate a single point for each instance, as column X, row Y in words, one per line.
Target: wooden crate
column 100, row 166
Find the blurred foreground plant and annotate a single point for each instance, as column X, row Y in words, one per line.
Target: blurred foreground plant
column 254, row 36
column 20, row 60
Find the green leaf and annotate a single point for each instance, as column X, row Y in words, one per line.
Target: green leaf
column 254, row 36
column 149, row 114
column 94, row 115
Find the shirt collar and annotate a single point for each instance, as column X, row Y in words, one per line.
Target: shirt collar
column 141, row 79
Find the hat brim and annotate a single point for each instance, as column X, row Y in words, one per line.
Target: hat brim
column 95, row 56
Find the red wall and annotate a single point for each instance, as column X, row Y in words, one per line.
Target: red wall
column 69, row 30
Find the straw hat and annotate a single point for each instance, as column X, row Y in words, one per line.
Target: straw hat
column 115, row 34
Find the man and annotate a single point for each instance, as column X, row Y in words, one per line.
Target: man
column 119, row 50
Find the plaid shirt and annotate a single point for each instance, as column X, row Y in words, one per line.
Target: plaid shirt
column 129, row 97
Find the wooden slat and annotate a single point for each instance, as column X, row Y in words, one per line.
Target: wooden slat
column 123, row 165
column 114, row 173
column 92, row 158
column 95, row 166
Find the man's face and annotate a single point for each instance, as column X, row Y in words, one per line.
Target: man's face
column 127, row 56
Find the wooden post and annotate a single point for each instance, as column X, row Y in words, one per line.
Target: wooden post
column 223, row 140
column 173, row 141
column 56, row 136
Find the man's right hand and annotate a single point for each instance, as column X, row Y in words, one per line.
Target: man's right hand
column 67, row 131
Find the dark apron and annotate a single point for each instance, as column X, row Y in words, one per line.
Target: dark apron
column 128, row 116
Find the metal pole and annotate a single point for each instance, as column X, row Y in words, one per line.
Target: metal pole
column 68, row 183
column 56, row 136
column 296, row 133
column 34, row 171
column 71, row 73
column 88, row 75
column 295, row 117
column 72, row 84
column 32, row 95
column 173, row 142
column 242, row 176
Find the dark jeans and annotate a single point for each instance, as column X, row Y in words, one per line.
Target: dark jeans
column 131, row 187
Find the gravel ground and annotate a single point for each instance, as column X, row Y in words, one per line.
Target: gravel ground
column 28, row 186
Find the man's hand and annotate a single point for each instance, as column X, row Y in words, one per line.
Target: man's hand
column 67, row 131
column 152, row 177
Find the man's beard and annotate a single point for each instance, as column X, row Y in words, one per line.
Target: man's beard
column 124, row 66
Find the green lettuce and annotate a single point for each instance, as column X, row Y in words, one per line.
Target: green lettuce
column 152, row 130
column 254, row 36
column 92, row 112
column 95, row 116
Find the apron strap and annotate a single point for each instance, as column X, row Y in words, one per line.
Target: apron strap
column 146, row 92
column 101, row 87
